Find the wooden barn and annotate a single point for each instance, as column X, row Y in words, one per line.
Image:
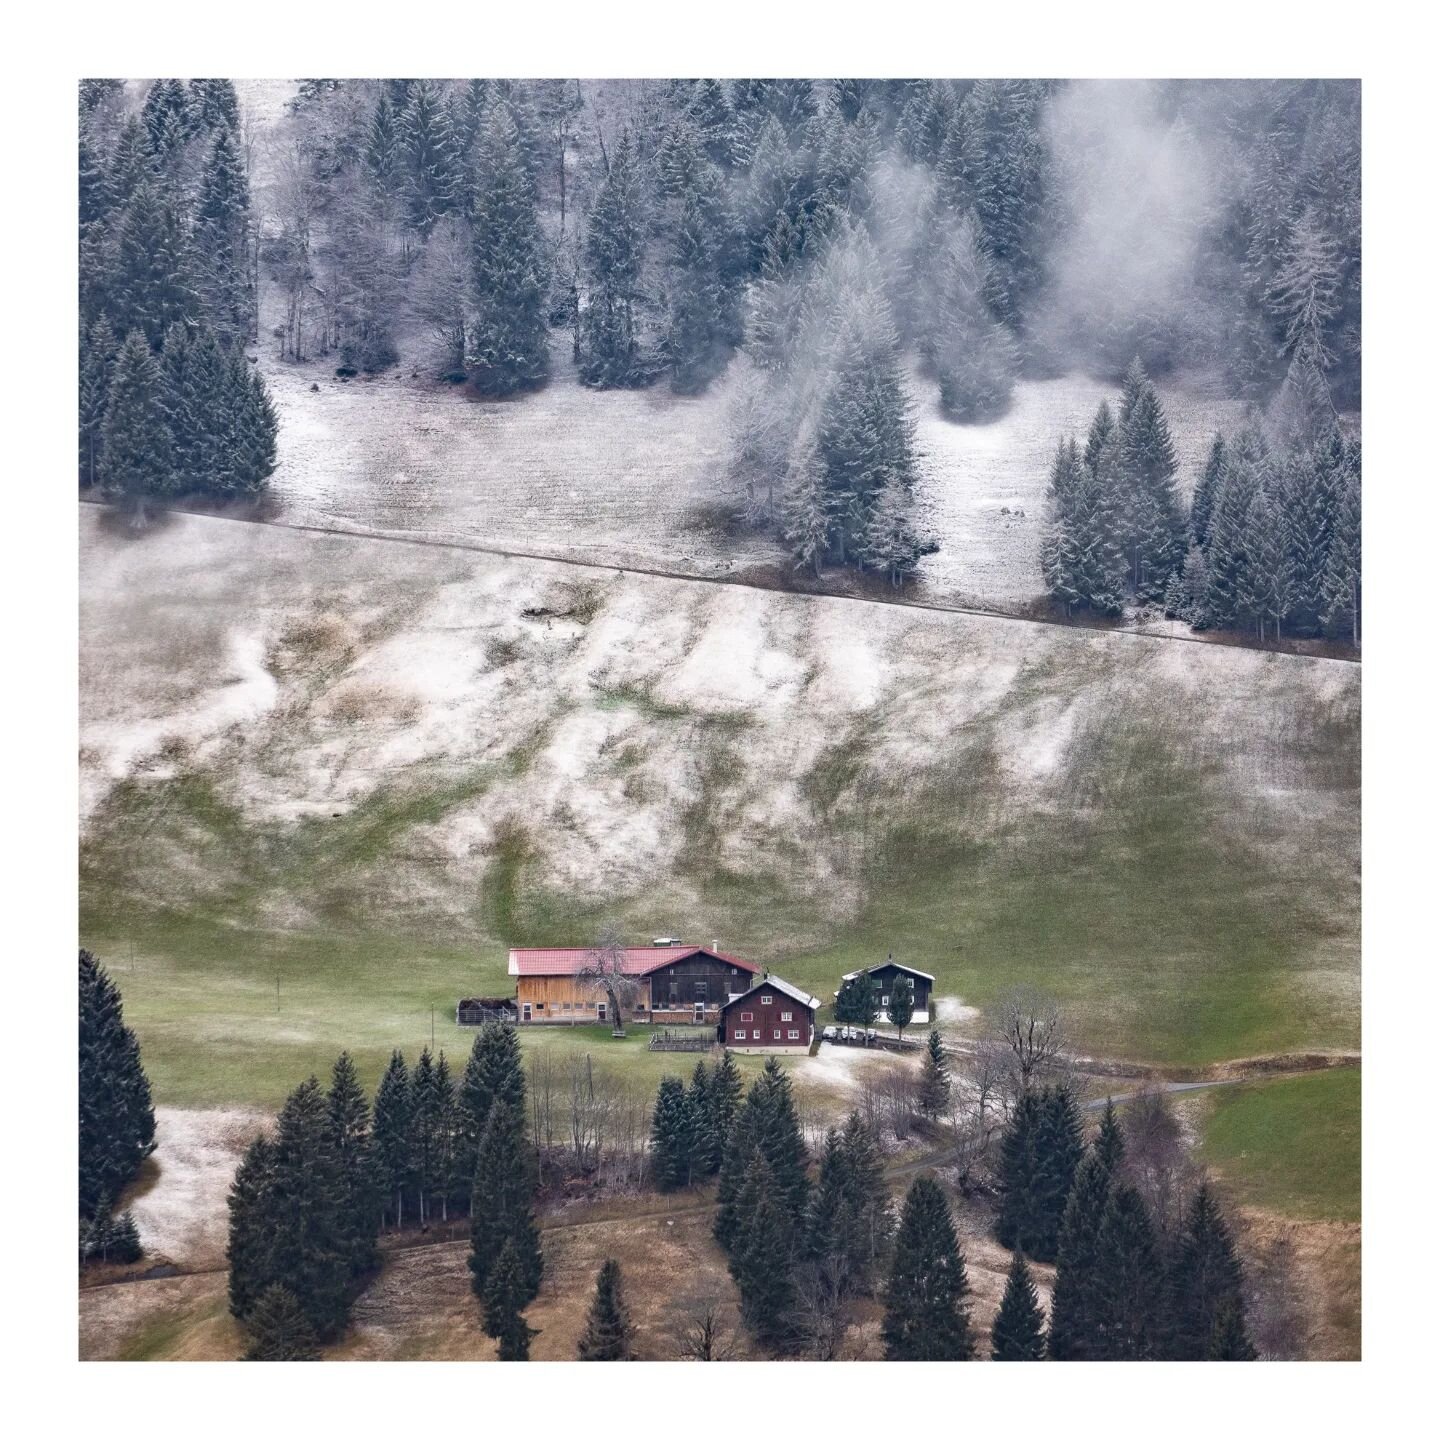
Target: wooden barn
column 674, row 984
column 773, row 1017
column 884, row 978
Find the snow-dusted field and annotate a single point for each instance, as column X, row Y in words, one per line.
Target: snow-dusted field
column 639, row 478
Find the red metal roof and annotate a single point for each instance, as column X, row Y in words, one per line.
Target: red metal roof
column 639, row 959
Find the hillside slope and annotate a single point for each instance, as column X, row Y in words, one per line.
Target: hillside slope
column 328, row 780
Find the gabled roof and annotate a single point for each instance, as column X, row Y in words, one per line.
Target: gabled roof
column 639, row 959
column 811, row 1002
column 885, row 964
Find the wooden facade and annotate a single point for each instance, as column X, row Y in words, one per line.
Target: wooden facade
column 688, row 987
column 883, row 979
column 774, row 1018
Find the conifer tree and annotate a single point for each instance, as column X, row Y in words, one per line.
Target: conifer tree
column 117, row 1119
column 349, row 1121
column 394, row 1147
column 1059, row 1148
column 221, row 243
column 1075, row 1304
column 848, row 1222
column 855, row 1001
column 1021, row 1222
column 776, row 299
column 1109, row 1147
column 767, row 1125
column 1129, row 1282
column 427, row 156
column 507, row 1292
column 708, row 1145
column 152, row 286
column 214, row 105
column 725, row 1090
column 934, row 1078
column 609, row 1335
column 426, row 1124
column 252, row 1227
column 492, row 1073
column 672, row 1136
column 1154, row 529
column 279, row 1328
column 1341, row 615
column 138, row 452
column 761, row 1262
column 700, row 324
column 1207, row 488
column 1019, row 1330
column 502, row 1204
column 902, row 1004
column 611, row 353
column 509, row 344
column 1206, row 1294
column 926, row 1312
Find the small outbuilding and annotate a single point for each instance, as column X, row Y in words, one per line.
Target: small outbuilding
column 885, row 977
column 773, row 1017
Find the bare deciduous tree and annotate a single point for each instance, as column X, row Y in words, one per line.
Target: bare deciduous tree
column 705, row 1327
column 604, row 971
column 1157, row 1159
column 1275, row 1305
column 979, row 1108
column 1030, row 1025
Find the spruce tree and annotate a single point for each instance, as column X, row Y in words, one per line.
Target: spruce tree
column 611, row 350
column 509, row 343
column 1059, row 1148
column 427, row 156
column 279, row 1328
column 1130, row 1287
column 97, row 365
column 393, row 1141
column 699, row 323
column 609, row 1335
column 426, row 1125
column 766, row 1125
column 1207, row 488
column 1206, row 1292
column 502, row 1204
column 708, row 1143
column 310, row 1253
column 250, row 1245
column 855, row 1001
column 902, row 1004
column 507, row 1292
column 934, row 1097
column 926, row 1311
column 1019, row 1330
column 1109, row 1147
column 672, row 1136
column 360, row 1204
column 762, row 1262
column 725, row 1091
column 1075, row 1303
column 117, row 1119
column 221, row 243
column 492, row 1073
column 1153, row 526
column 1021, row 1222
column 138, row 455
column 152, row 286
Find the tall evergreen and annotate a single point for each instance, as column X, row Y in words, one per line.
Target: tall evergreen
column 609, row 1335
column 507, row 1291
column 1019, row 1329
column 279, row 1328
column 708, row 1147
column 429, row 163
column 359, row 1203
column 221, row 243
column 502, row 1204
column 492, row 1073
column 700, row 323
column 250, row 1243
column 1059, row 1149
column 151, row 287
column 393, row 1139
column 117, row 1119
column 1021, row 1222
column 926, row 1303
column 934, row 1099
column 1206, row 1292
column 427, row 1120
column 1207, row 487
column 1154, row 529
column 138, row 451
column 611, row 345
column 725, row 1091
column 848, row 1223
column 509, row 345
column 767, row 1125
column 1075, row 1308
column 762, row 1260
column 672, row 1136
column 1130, row 1282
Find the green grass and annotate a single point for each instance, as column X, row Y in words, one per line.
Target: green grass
column 1291, row 1146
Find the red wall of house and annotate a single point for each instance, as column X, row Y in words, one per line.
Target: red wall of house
column 767, row 1019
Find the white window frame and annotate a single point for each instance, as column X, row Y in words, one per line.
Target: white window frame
column 767, row 999
column 747, row 1014
column 786, row 1016
column 794, row 1035
column 777, row 1034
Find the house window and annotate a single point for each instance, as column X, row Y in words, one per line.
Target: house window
column 767, row 999
column 794, row 1034
column 747, row 1014
column 674, row 993
column 776, row 1034
column 539, row 1004
column 702, row 991
column 786, row 1015
column 739, row 1034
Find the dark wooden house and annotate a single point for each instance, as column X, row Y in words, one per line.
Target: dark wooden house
column 674, row 985
column 884, row 978
column 773, row 1017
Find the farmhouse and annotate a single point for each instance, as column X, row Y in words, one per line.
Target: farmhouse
column 673, row 984
column 884, row 978
column 773, row 1017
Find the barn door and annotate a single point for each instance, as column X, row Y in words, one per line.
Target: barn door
column 699, row 1012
